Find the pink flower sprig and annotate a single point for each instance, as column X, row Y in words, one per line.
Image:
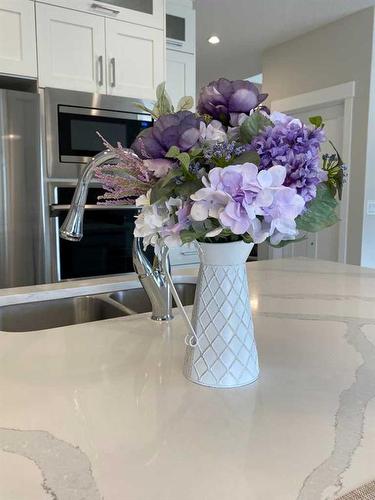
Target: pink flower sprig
column 127, row 179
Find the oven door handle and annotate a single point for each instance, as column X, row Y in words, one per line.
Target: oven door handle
column 57, row 209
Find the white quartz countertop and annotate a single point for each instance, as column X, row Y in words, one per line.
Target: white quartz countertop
column 101, row 411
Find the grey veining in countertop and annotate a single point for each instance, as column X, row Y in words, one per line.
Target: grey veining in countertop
column 110, row 398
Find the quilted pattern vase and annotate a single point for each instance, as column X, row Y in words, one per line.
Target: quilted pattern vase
column 222, row 350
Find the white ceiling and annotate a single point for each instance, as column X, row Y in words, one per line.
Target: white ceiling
column 247, row 27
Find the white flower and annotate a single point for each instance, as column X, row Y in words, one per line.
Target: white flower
column 208, row 203
column 213, row 132
column 277, row 117
column 151, row 221
column 214, row 232
column 144, row 199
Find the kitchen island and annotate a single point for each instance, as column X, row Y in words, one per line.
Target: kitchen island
column 102, row 411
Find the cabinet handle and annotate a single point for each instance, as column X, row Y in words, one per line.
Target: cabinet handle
column 100, row 70
column 96, row 6
column 175, row 43
column 112, row 62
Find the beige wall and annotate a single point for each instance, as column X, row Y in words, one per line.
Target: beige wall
column 336, row 53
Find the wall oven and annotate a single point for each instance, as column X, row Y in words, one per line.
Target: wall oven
column 106, row 246
column 72, row 120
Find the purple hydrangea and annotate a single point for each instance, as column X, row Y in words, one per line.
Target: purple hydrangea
column 237, row 195
column 297, row 147
column 224, row 99
column 181, row 129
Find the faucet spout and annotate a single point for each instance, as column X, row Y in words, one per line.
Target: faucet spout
column 152, row 278
column 72, row 228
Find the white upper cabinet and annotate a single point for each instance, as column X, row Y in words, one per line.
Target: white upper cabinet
column 17, row 38
column 145, row 12
column 180, row 75
column 180, row 27
column 135, row 56
column 90, row 53
column 71, row 49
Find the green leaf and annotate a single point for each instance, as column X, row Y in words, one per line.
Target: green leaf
column 163, row 104
column 173, row 152
column 195, row 152
column 146, row 109
column 185, row 103
column 317, row 121
column 284, row 243
column 320, row 213
column 337, row 153
column 247, row 238
column 248, row 157
column 160, row 91
column 252, row 126
column 162, row 189
column 339, row 177
column 184, row 160
column 187, row 236
column 189, row 187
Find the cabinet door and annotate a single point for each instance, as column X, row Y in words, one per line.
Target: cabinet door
column 17, row 38
column 145, row 12
column 71, row 49
column 136, row 59
column 180, row 27
column 184, row 255
column 180, row 75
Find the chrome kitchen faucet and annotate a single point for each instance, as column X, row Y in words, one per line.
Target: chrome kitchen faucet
column 151, row 276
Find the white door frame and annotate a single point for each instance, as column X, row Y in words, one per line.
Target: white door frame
column 338, row 94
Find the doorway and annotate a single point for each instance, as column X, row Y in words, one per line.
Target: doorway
column 335, row 105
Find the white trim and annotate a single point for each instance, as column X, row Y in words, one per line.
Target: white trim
column 330, row 95
column 343, row 93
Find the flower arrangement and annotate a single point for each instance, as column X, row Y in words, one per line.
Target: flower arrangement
column 230, row 171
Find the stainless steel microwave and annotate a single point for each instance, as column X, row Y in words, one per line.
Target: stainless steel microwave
column 72, row 120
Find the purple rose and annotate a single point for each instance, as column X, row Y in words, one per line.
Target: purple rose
column 224, row 99
column 181, row 129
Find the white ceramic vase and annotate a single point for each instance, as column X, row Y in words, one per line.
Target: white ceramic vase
column 222, row 350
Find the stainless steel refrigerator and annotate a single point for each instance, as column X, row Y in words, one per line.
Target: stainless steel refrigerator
column 22, row 207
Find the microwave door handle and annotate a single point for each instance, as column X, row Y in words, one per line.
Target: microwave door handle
column 97, row 6
column 175, row 43
column 113, row 71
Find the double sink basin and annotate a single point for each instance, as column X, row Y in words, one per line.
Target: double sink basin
column 32, row 316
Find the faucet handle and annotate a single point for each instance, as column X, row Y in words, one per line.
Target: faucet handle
column 191, row 340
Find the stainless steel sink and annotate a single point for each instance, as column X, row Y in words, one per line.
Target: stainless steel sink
column 136, row 301
column 56, row 313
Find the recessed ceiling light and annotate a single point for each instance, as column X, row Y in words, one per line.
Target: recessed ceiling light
column 214, row 39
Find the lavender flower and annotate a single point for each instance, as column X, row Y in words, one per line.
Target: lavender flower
column 297, row 147
column 221, row 98
column 223, row 153
column 181, row 129
column 127, row 179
